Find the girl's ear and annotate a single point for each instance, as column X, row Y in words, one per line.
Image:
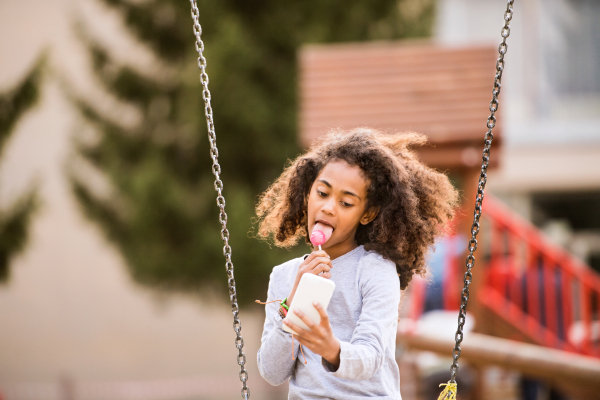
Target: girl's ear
column 369, row 215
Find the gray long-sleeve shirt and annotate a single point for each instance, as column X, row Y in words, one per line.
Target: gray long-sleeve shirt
column 363, row 313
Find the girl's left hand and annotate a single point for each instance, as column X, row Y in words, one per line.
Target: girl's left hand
column 319, row 338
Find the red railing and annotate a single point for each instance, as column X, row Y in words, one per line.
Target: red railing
column 539, row 288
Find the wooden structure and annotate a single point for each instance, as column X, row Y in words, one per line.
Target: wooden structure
column 402, row 86
column 575, row 374
column 527, row 288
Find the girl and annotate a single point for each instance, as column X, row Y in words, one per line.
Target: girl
column 386, row 209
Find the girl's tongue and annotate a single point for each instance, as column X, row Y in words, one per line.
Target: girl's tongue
column 320, row 234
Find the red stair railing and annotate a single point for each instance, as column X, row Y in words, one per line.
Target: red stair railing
column 539, row 288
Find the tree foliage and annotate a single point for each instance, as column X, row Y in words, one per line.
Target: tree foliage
column 162, row 213
column 14, row 220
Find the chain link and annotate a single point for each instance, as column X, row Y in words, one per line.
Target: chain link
column 216, row 169
column 489, row 136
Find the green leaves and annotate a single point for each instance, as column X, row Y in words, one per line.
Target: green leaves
column 161, row 211
column 14, row 220
column 15, row 102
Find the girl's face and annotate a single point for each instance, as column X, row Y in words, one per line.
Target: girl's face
column 338, row 198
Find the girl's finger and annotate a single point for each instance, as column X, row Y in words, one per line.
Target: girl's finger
column 326, row 275
column 308, row 259
column 320, row 260
column 315, row 254
column 303, row 341
column 303, row 336
column 320, row 268
column 299, row 331
column 309, row 322
column 322, row 313
column 308, row 266
column 320, row 253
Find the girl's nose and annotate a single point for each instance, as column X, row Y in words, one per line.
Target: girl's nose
column 329, row 206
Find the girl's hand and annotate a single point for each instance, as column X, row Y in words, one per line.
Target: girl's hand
column 318, row 261
column 319, row 339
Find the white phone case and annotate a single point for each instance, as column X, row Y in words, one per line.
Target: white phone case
column 311, row 288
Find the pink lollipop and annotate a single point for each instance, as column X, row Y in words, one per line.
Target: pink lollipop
column 320, row 234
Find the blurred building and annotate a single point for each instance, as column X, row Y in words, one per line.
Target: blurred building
column 550, row 161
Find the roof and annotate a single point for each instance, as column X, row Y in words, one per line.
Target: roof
column 417, row 86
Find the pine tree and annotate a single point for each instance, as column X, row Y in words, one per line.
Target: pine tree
column 14, row 220
column 162, row 213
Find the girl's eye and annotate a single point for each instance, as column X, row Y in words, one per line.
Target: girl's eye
column 346, row 204
column 321, row 193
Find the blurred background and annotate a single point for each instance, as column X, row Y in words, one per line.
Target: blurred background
column 112, row 280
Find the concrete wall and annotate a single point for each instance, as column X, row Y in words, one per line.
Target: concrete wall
column 71, row 317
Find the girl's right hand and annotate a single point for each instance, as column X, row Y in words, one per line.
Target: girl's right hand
column 318, row 261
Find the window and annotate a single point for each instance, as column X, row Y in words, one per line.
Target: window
column 570, row 53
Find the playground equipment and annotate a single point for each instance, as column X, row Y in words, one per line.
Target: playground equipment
column 530, row 290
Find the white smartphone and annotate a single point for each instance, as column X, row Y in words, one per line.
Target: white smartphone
column 311, row 288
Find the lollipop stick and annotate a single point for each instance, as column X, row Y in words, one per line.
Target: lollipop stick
column 319, row 247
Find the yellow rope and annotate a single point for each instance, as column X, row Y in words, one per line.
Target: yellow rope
column 449, row 391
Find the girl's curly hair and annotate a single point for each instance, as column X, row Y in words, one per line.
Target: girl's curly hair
column 415, row 201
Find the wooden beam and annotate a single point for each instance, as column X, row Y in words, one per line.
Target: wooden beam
column 577, row 374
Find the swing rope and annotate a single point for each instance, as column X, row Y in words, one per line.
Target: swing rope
column 216, row 169
column 450, row 390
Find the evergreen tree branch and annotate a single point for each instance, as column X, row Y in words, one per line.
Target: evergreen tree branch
column 15, row 221
column 14, row 224
column 162, row 214
column 14, row 103
column 121, row 80
column 156, row 23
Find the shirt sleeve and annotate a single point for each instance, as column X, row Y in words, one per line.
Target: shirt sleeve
column 364, row 355
column 276, row 356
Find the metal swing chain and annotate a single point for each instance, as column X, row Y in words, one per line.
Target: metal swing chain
column 216, row 169
column 489, row 136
